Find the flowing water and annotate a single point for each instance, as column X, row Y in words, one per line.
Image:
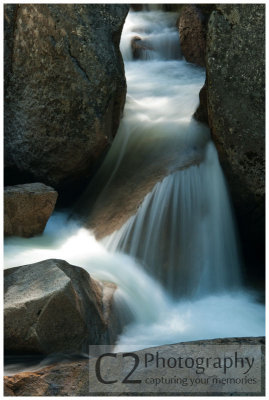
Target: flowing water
column 174, row 259
column 184, row 231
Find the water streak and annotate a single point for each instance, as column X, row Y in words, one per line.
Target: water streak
column 184, row 231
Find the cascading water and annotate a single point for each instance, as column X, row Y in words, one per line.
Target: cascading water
column 184, row 231
column 180, row 276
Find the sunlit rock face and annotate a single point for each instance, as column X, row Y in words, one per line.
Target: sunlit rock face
column 235, row 84
column 65, row 89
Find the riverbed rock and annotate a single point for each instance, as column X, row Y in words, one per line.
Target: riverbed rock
column 64, row 92
column 52, row 306
column 139, row 47
column 235, row 66
column 73, row 378
column 192, row 31
column 27, row 208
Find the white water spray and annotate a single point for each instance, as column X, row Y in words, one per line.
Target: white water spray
column 156, row 317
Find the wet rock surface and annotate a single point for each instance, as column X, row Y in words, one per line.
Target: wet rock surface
column 139, row 48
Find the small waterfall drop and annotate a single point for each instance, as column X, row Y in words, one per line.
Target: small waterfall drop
column 184, row 231
column 157, row 37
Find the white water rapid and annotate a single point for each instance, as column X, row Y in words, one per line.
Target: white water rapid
column 174, row 259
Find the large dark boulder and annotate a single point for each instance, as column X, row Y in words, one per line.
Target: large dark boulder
column 235, row 65
column 64, row 89
column 52, row 306
column 27, row 208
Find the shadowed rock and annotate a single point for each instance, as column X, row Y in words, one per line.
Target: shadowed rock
column 192, row 30
column 27, row 208
column 201, row 114
column 64, row 90
column 235, row 66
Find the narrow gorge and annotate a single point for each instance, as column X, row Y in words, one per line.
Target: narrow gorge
column 152, row 221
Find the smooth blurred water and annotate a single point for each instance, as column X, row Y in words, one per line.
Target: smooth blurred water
column 158, row 32
column 184, row 232
column 181, row 279
column 157, row 318
column 63, row 239
column 157, row 134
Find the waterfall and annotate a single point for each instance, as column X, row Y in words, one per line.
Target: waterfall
column 184, row 231
column 159, row 203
